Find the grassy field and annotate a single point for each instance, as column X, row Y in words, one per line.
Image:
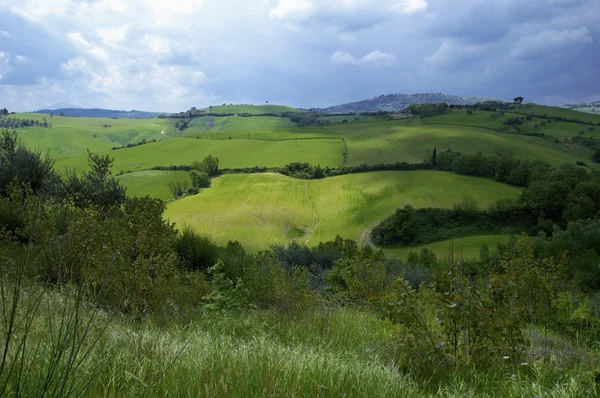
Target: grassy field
column 236, row 124
column 251, row 109
column 263, row 209
column 553, row 111
column 405, row 140
column 73, row 136
column 231, row 153
column 484, row 119
column 466, row 248
column 151, row 182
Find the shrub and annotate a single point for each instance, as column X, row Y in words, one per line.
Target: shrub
column 196, row 252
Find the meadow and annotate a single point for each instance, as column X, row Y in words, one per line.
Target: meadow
column 251, row 109
column 264, row 209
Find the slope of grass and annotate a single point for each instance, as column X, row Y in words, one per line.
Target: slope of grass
column 405, row 140
column 73, row 136
column 251, row 109
column 553, row 111
column 231, row 153
column 151, row 182
column 262, row 209
column 466, row 247
column 484, row 119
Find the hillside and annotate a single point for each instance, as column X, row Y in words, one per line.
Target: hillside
column 398, row 102
column 250, row 109
column 98, row 112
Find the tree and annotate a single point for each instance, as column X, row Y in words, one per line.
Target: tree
column 27, row 167
column 318, row 172
column 434, row 157
column 96, row 187
column 209, row 165
column 200, row 179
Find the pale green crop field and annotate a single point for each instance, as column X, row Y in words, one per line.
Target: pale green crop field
column 552, row 111
column 264, row 209
column 152, row 182
column 466, row 248
column 231, row 154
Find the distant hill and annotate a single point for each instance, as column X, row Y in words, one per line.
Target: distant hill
column 100, row 113
column 398, row 102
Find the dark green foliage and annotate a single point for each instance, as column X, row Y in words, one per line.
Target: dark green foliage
column 513, row 121
column 428, row 109
column 208, row 165
column 434, row 158
column 96, row 187
column 196, row 252
column 596, row 156
column 412, row 227
column 178, row 188
column 199, row 179
column 18, row 163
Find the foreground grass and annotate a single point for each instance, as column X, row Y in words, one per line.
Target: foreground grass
column 324, row 352
column 264, row 209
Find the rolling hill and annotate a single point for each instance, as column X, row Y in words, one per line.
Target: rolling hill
column 398, row 102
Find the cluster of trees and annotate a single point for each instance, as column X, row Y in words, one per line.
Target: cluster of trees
column 3, row 112
column 15, row 123
column 409, row 226
column 182, row 124
column 200, row 174
column 501, row 166
column 308, row 119
column 428, row 109
column 134, row 144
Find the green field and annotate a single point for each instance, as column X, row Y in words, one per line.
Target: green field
column 151, row 182
column 231, row 153
column 484, row 119
column 264, row 209
column 553, row 111
column 463, row 248
column 73, row 136
column 405, row 140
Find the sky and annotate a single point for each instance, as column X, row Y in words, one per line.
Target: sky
column 170, row 55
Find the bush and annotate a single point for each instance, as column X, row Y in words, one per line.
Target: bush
column 196, row 252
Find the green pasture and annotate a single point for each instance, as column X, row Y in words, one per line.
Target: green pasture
column 231, row 153
column 264, row 209
column 409, row 141
column 484, row 119
column 73, row 136
column 151, row 182
column 553, row 111
column 463, row 248
column 252, row 109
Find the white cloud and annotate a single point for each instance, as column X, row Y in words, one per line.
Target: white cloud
column 21, row 59
column 4, row 33
column 156, row 44
column 114, row 35
column 73, row 65
column 375, row 58
column 551, row 42
column 410, row 6
column 4, row 63
column 293, row 9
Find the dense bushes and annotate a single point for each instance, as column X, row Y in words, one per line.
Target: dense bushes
column 411, row 227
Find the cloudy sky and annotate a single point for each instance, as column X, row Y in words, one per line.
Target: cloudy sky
column 170, row 55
